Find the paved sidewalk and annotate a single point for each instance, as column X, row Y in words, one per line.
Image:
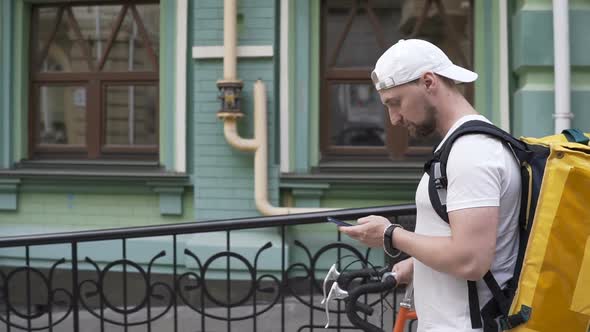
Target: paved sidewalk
column 296, row 316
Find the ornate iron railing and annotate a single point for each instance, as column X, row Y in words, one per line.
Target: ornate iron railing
column 277, row 288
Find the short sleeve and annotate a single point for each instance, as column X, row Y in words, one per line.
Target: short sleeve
column 474, row 172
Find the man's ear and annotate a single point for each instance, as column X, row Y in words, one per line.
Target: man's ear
column 429, row 81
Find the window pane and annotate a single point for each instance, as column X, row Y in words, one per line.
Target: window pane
column 452, row 33
column 62, row 115
column 150, row 16
column 389, row 14
column 129, row 51
column 357, row 115
column 370, row 33
column 66, row 51
column 46, row 18
column 131, row 115
column 96, row 24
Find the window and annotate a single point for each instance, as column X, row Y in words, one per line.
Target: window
column 354, row 33
column 94, row 81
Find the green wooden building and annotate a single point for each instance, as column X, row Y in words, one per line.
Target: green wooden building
column 109, row 110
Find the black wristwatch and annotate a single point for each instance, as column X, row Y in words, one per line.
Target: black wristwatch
column 388, row 241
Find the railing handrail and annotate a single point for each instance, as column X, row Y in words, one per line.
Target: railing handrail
column 201, row 226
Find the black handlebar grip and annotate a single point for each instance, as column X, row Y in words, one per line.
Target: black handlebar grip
column 352, row 304
column 346, row 278
column 364, row 308
column 355, row 320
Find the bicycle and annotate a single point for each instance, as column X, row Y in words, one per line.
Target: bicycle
column 342, row 290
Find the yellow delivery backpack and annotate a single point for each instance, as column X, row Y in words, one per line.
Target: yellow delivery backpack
column 555, row 274
column 550, row 288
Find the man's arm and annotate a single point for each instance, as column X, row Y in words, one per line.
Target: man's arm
column 468, row 253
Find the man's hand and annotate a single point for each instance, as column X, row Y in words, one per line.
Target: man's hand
column 404, row 271
column 368, row 231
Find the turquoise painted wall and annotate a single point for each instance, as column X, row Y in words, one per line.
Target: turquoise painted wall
column 532, row 67
column 50, row 211
column 224, row 177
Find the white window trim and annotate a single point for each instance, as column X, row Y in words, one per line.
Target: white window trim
column 181, row 78
column 216, row 52
column 284, row 88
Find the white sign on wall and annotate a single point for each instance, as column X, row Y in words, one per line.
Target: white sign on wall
column 80, row 97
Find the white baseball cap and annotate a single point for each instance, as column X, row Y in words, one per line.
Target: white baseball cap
column 408, row 59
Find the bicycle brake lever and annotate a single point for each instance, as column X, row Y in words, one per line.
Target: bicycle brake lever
column 333, row 274
column 335, row 293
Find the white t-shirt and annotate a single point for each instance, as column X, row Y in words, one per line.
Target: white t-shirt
column 481, row 171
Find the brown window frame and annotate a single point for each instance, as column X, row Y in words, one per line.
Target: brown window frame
column 96, row 83
column 397, row 141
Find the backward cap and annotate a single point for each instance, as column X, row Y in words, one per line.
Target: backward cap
column 408, row 59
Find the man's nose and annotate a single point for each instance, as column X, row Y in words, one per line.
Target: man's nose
column 395, row 118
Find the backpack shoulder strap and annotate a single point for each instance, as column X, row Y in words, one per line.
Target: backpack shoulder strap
column 437, row 188
column 436, row 167
column 481, row 127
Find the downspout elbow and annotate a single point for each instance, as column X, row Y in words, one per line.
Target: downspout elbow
column 261, row 160
column 233, row 138
column 267, row 209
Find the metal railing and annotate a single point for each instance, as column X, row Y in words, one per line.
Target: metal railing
column 278, row 286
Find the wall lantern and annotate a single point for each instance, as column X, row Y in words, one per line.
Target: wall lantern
column 230, row 94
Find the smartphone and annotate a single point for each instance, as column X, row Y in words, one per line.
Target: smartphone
column 338, row 221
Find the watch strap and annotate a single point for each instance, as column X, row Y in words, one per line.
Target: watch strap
column 388, row 246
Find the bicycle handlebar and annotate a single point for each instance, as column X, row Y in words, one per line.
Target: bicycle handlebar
column 353, row 306
column 346, row 278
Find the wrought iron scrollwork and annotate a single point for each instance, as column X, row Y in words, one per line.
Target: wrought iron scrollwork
column 189, row 288
column 100, row 290
column 35, row 312
column 254, row 285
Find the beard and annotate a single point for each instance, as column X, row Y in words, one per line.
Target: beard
column 427, row 127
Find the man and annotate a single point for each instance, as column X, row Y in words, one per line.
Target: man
column 416, row 83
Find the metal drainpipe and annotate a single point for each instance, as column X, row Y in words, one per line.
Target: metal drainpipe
column 504, row 68
column 261, row 159
column 561, row 49
column 230, row 90
column 229, row 40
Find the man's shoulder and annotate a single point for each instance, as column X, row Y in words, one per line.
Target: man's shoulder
column 476, row 145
